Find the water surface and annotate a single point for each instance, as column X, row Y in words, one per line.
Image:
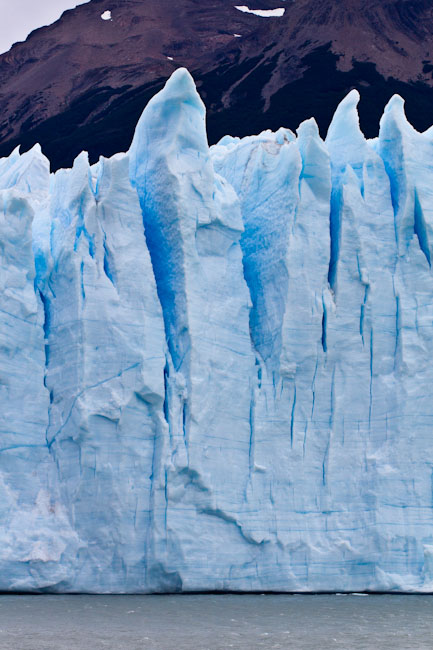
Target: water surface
column 216, row 622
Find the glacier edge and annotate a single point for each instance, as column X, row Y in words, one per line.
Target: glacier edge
column 215, row 362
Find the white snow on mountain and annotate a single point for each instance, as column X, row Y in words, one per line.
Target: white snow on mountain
column 264, row 13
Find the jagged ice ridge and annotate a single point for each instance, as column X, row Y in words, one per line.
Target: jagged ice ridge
column 216, row 364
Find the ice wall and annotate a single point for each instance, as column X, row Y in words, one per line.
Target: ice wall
column 215, row 364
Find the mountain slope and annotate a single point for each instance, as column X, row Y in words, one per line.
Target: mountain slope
column 83, row 81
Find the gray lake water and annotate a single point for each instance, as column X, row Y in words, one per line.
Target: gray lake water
column 216, row 622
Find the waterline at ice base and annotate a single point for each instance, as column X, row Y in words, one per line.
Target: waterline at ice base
column 216, row 365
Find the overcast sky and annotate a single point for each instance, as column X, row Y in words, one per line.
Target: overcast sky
column 20, row 17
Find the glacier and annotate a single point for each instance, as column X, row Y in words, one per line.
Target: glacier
column 216, row 363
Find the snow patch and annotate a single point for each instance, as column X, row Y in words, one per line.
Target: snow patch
column 106, row 15
column 264, row 13
column 237, row 35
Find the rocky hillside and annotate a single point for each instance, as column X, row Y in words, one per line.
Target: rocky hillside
column 82, row 82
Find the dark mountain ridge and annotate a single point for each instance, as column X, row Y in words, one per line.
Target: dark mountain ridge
column 83, row 82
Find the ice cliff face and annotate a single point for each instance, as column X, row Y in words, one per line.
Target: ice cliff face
column 215, row 365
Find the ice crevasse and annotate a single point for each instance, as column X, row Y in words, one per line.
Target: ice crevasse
column 216, row 364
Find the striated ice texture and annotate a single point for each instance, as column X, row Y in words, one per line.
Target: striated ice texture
column 216, row 365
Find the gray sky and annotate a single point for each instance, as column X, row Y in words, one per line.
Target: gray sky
column 20, row 17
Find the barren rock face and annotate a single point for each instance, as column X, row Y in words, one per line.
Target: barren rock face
column 83, row 81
